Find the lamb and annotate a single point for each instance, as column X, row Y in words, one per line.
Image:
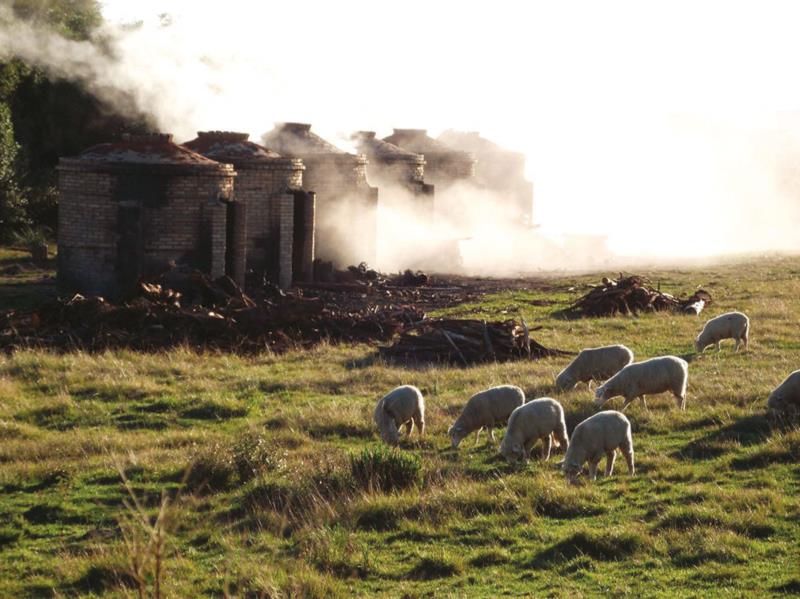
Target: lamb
column 600, row 434
column 597, row 363
column 731, row 325
column 783, row 405
column 486, row 409
column 667, row 373
column 401, row 406
column 538, row 419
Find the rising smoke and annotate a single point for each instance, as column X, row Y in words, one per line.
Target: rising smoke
column 623, row 128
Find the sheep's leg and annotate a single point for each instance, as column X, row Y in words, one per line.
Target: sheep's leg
column 562, row 438
column 628, row 400
column 547, row 446
column 610, row 457
column 409, row 427
column 491, row 435
column 736, row 347
column 593, row 463
column 644, row 401
column 528, row 446
column 718, row 346
column 420, row 422
column 627, row 451
column 477, row 436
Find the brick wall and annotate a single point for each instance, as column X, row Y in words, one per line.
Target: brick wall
column 183, row 219
column 346, row 219
column 263, row 187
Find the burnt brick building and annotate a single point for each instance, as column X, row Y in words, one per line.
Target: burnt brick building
column 498, row 170
column 393, row 167
column 346, row 205
column 130, row 209
column 444, row 166
column 280, row 214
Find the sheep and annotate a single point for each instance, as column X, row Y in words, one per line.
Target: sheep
column 783, row 405
column 731, row 325
column 401, row 406
column 598, row 363
column 486, row 409
column 538, row 419
column 667, row 373
column 599, row 434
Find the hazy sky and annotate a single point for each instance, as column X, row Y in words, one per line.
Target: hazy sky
column 625, row 110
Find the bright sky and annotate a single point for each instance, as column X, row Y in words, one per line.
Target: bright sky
column 624, row 109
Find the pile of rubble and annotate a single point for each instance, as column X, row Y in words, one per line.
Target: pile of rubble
column 188, row 308
column 467, row 342
column 631, row 295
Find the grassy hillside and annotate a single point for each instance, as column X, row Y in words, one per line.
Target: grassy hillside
column 272, row 506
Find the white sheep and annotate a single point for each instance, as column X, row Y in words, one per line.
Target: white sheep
column 598, row 435
column 596, row 363
column 538, row 419
column 401, row 406
column 783, row 404
column 667, row 373
column 486, row 409
column 731, row 325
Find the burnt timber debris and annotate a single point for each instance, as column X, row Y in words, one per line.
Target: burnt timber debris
column 467, row 342
column 634, row 294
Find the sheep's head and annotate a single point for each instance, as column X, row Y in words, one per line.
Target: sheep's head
column 572, row 472
column 602, row 394
column 513, row 452
column 564, row 380
column 699, row 344
column 456, row 434
column 390, row 433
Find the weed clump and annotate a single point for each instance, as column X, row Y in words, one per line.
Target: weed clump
column 606, row 546
column 385, row 469
column 429, row 568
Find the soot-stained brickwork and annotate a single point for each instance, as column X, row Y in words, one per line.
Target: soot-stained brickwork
column 132, row 208
column 346, row 205
column 271, row 188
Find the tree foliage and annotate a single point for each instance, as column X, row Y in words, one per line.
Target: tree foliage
column 42, row 119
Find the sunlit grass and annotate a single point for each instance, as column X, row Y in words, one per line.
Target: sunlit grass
column 273, row 506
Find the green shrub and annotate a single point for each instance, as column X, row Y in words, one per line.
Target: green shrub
column 212, row 469
column 385, row 469
column 253, row 456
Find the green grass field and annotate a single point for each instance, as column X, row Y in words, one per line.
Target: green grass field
column 277, row 503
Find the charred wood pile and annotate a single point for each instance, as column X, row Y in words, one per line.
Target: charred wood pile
column 467, row 342
column 191, row 309
column 631, row 295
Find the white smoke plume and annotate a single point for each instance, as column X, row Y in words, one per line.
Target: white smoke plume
column 671, row 129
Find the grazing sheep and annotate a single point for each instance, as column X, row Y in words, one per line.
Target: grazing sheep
column 731, row 325
column 783, row 405
column 596, row 363
column 538, row 419
column 486, row 409
column 595, row 437
column 401, row 406
column 667, row 373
